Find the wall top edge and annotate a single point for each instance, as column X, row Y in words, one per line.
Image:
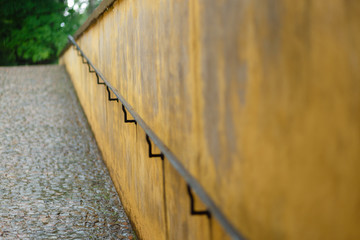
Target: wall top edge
column 103, row 7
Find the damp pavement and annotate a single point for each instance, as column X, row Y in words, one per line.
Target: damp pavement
column 53, row 182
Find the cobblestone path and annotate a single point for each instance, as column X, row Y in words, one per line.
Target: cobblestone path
column 53, row 183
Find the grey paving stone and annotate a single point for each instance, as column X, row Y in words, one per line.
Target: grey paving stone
column 53, row 182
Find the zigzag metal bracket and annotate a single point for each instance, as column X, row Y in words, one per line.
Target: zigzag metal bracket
column 192, row 208
column 90, row 71
column 109, row 95
column 82, row 59
column 125, row 116
column 151, row 155
column 98, row 80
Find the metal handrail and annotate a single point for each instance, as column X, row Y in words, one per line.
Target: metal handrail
column 213, row 210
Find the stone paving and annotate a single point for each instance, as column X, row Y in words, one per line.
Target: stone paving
column 53, row 182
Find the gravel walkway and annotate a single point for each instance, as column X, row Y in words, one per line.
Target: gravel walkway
column 53, row 183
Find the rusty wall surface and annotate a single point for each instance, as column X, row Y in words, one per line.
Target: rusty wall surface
column 260, row 100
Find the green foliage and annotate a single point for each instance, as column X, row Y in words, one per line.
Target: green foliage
column 35, row 31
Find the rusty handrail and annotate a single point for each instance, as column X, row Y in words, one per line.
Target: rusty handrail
column 213, row 210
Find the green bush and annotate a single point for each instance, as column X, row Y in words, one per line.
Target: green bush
column 35, row 31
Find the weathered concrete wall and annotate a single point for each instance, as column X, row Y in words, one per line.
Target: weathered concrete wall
column 260, row 100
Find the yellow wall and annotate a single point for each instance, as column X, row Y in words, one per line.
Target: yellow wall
column 260, row 100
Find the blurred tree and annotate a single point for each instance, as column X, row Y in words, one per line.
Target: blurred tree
column 35, row 31
column 91, row 7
